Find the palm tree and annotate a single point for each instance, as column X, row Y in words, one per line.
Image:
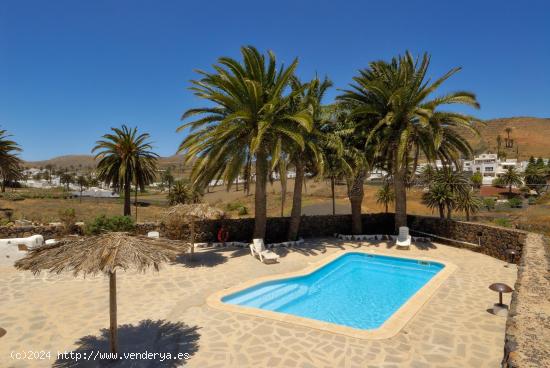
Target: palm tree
column 393, row 104
column 508, row 130
column 385, row 195
column 499, row 145
column 310, row 157
column 125, row 157
column 438, row 196
column 184, row 192
column 510, row 177
column 82, row 182
column 10, row 163
column 248, row 120
column 456, row 183
column 468, row 203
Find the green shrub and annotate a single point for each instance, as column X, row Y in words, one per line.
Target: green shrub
column 489, row 203
column 102, row 224
column 515, row 202
column 532, row 200
column 242, row 211
column 504, row 222
column 234, row 206
column 10, row 196
column 68, row 218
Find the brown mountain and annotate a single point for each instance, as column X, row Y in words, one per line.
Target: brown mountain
column 87, row 162
column 530, row 137
column 527, row 136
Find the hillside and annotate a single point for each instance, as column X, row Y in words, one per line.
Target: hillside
column 87, row 161
column 531, row 136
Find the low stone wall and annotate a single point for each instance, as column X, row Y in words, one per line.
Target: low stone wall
column 491, row 240
column 527, row 341
column 48, row 232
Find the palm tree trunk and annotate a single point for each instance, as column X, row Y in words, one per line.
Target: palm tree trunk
column 449, row 211
column 400, row 190
column 283, row 197
column 136, row 201
column 113, row 334
column 441, row 212
column 332, row 183
column 296, row 213
column 3, row 185
column 127, row 194
column 356, row 194
column 260, row 196
column 386, row 207
column 467, row 215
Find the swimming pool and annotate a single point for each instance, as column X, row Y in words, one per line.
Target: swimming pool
column 356, row 290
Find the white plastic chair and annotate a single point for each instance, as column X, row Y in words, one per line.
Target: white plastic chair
column 257, row 248
column 403, row 239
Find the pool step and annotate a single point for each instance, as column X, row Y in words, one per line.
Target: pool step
column 281, row 299
column 250, row 297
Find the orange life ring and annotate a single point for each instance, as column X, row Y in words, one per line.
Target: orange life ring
column 223, row 235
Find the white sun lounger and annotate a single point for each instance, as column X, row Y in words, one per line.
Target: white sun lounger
column 257, row 248
column 404, row 239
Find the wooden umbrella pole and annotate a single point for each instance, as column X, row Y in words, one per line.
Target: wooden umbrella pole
column 113, row 313
column 192, row 237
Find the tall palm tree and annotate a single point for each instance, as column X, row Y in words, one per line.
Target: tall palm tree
column 393, row 103
column 126, row 157
column 511, row 177
column 10, row 163
column 310, row 157
column 249, row 119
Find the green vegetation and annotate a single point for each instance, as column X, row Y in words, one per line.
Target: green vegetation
column 395, row 110
column 237, row 207
column 502, row 221
column 489, row 203
column 515, row 202
column 68, row 219
column 249, row 118
column 385, row 195
column 103, row 224
column 511, row 177
column 125, row 158
column 477, row 180
column 10, row 163
column 184, row 192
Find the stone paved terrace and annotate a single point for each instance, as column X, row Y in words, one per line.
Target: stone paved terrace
column 167, row 312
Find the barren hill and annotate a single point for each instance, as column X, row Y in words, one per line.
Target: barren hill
column 88, row 162
column 530, row 136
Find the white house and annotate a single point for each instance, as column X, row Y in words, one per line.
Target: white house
column 491, row 167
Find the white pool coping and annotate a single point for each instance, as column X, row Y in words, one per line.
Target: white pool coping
column 389, row 328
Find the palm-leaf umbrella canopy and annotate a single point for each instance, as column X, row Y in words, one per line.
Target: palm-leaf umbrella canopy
column 103, row 254
column 190, row 213
column 195, row 211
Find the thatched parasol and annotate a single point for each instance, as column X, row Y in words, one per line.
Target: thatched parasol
column 103, row 254
column 191, row 213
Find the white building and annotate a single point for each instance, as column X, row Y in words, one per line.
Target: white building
column 491, row 167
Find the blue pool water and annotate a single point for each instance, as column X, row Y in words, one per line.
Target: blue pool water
column 356, row 290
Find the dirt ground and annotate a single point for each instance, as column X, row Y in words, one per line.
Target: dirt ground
column 316, row 201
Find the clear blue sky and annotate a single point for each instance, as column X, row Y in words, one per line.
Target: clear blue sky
column 69, row 70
